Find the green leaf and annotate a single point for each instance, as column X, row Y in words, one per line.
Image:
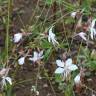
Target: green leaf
column 58, row 78
column 45, row 44
column 86, row 5
column 47, row 54
column 49, row 2
column 91, row 64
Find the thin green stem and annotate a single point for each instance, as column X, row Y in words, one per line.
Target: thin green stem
column 7, row 30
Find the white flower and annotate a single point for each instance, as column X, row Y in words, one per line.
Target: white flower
column 6, row 80
column 93, row 32
column 51, row 37
column 82, row 35
column 93, row 23
column 77, row 79
column 92, row 29
column 65, row 67
column 37, row 56
column 21, row 61
column 17, row 37
column 73, row 14
column 37, row 93
column 34, row 89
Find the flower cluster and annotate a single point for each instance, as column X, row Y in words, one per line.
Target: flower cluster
column 91, row 28
column 36, row 55
column 65, row 68
column 5, row 79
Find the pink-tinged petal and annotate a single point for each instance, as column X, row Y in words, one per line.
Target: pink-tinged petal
column 59, row 70
column 60, row 63
column 68, row 62
column 72, row 67
column 82, row 35
column 37, row 56
column 4, row 71
column 41, row 53
column 73, row 14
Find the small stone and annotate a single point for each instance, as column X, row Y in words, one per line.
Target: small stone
column 45, row 85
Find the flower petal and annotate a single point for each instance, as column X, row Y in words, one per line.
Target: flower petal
column 9, row 80
column 5, row 80
column 60, row 63
column 82, row 35
column 49, row 39
column 50, row 30
column 51, row 35
column 92, row 33
column 21, row 61
column 34, row 59
column 55, row 42
column 72, row 67
column 59, row 70
column 93, row 22
column 68, row 62
column 77, row 79
column 73, row 14
column 35, row 54
column 40, row 53
column 17, row 37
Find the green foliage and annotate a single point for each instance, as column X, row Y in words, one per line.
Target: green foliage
column 2, row 2
column 69, row 20
column 91, row 64
column 69, row 90
column 86, row 5
column 8, row 90
column 85, row 54
column 89, row 61
column 47, row 54
column 49, row 2
column 58, row 78
column 65, row 87
column 45, row 44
